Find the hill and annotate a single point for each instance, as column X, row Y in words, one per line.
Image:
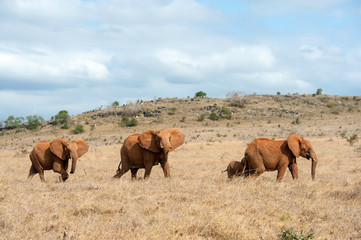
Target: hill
column 198, row 202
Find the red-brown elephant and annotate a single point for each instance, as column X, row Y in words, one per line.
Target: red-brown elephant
column 263, row 154
column 148, row 149
column 55, row 155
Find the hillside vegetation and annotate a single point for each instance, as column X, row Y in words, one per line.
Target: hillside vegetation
column 198, row 202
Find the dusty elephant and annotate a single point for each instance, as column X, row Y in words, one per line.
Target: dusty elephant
column 263, row 154
column 55, row 155
column 148, row 149
column 236, row 168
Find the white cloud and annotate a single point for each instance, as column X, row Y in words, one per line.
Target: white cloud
column 311, row 52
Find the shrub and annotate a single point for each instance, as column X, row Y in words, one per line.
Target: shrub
column 13, row 122
column 296, row 121
column 132, row 109
column 78, row 129
column 226, row 112
column 236, row 99
column 352, row 139
column 126, row 121
column 278, row 93
column 172, row 110
column 62, row 116
column 201, row 117
column 148, row 113
column 115, row 104
column 200, row 94
column 34, row 121
column 214, row 116
column 183, row 119
column 319, row 91
column 291, row 234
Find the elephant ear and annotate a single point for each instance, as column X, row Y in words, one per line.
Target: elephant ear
column 57, row 146
column 177, row 138
column 148, row 140
column 83, row 147
column 293, row 142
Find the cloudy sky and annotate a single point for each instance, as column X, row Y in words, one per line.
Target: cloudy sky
column 80, row 55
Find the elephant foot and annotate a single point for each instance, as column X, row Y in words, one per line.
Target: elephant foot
column 65, row 176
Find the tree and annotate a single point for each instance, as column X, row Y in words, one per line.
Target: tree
column 63, row 117
column 13, row 122
column 200, row 94
column 115, row 104
column 319, row 91
column 34, row 121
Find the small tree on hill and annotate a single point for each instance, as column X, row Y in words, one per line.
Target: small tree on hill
column 319, row 91
column 63, row 117
column 34, row 121
column 115, row 104
column 200, row 94
column 13, row 122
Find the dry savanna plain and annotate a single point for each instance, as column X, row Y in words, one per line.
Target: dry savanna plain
column 198, row 201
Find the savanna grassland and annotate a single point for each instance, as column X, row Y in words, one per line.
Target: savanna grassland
column 198, row 202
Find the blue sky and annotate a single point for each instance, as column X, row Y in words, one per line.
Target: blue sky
column 80, row 55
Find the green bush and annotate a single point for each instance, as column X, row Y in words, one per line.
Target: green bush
column 62, row 117
column 296, row 121
column 214, row 116
column 13, row 122
column 200, row 94
column 129, row 122
column 115, row 104
column 352, row 139
column 78, row 129
column 172, row 110
column 319, row 91
column 34, row 121
column 201, row 117
column 291, row 234
column 226, row 112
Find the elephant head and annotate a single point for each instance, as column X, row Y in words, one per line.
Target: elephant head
column 64, row 150
column 302, row 147
column 162, row 141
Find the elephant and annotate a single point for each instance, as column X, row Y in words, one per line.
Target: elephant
column 263, row 154
column 236, row 168
column 55, row 155
column 148, row 149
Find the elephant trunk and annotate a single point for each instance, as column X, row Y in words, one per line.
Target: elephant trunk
column 164, row 159
column 314, row 164
column 73, row 164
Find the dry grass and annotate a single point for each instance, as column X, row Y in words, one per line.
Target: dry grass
column 198, row 202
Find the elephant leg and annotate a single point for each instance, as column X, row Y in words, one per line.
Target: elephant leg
column 58, row 167
column 125, row 168
column 281, row 172
column 148, row 169
column 134, row 173
column 32, row 171
column 294, row 170
column 166, row 170
column 37, row 168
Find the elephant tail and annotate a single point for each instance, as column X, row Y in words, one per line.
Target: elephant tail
column 118, row 170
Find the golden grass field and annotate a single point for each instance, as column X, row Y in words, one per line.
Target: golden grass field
column 198, row 202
